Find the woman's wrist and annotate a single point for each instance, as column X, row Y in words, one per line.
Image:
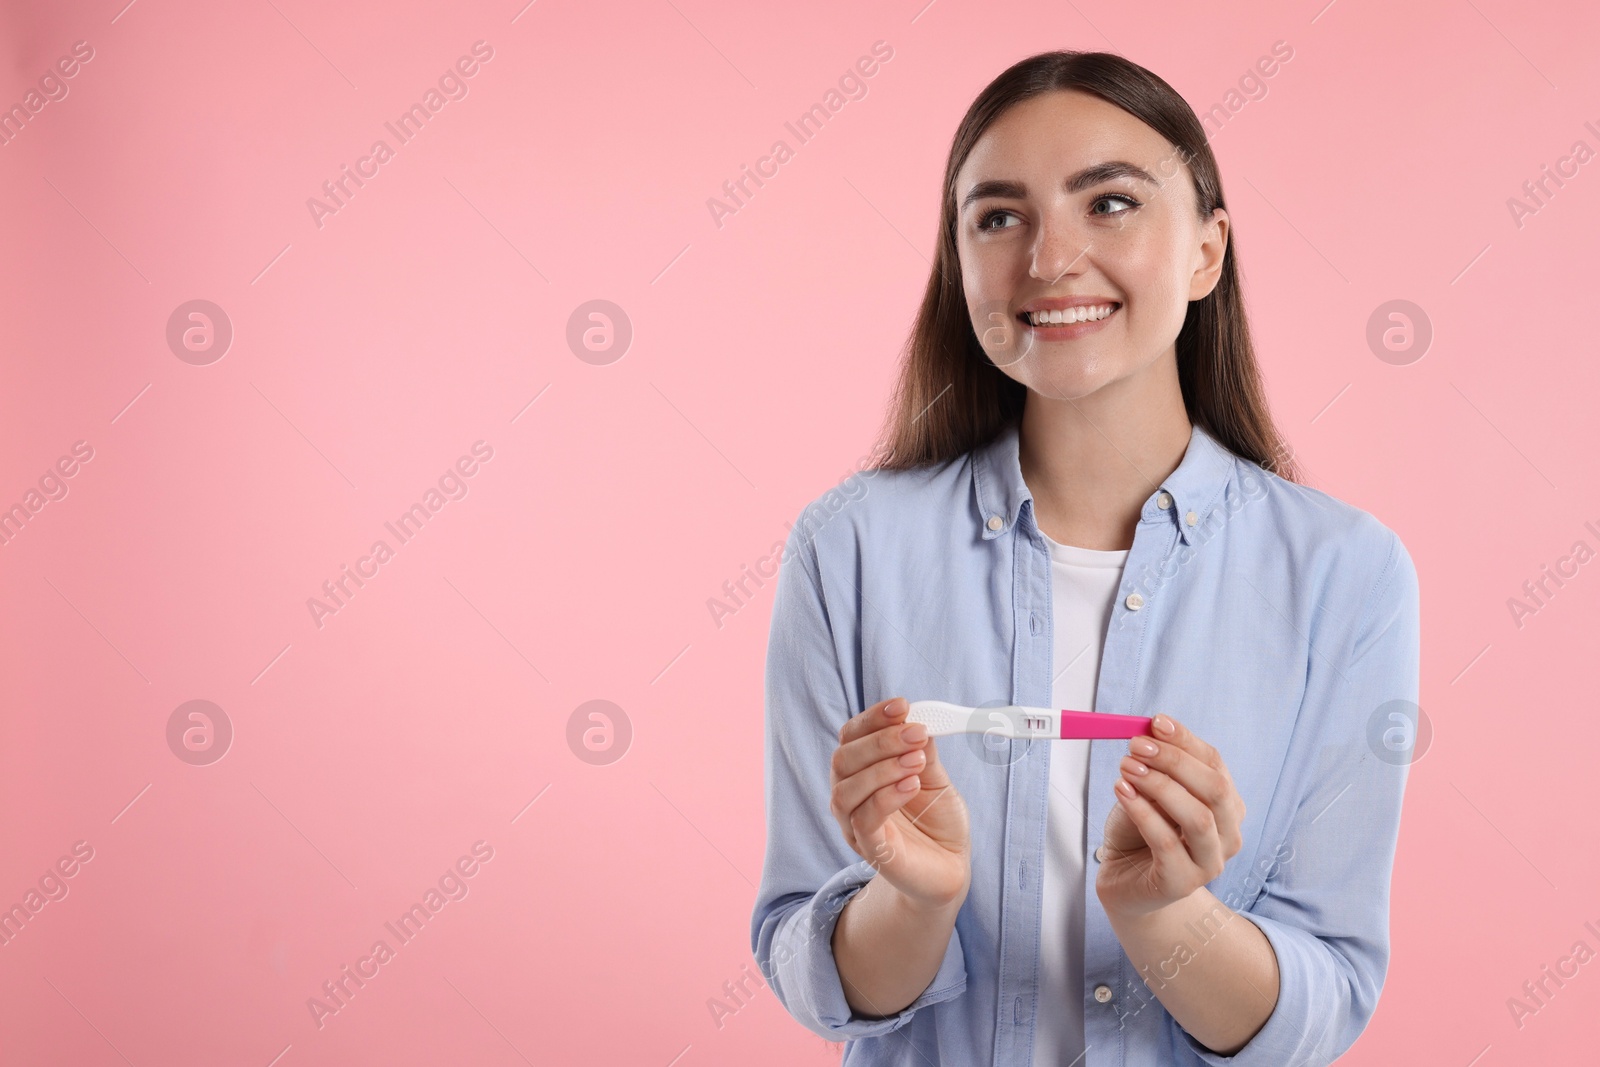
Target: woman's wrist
column 940, row 907
column 1149, row 916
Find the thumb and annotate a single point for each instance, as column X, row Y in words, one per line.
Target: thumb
column 874, row 847
column 1120, row 833
column 933, row 774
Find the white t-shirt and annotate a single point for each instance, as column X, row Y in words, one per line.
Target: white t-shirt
column 1083, row 589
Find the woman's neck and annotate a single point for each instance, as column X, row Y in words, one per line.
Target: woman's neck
column 1092, row 462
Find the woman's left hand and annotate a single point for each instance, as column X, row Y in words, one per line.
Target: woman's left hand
column 1177, row 830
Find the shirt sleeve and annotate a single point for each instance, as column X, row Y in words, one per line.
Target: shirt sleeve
column 810, row 872
column 1324, row 907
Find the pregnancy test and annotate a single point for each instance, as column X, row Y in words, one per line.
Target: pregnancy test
column 1024, row 723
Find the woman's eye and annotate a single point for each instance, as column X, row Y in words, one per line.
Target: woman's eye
column 988, row 216
column 986, row 222
column 1130, row 201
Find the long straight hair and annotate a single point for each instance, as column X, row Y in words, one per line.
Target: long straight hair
column 950, row 397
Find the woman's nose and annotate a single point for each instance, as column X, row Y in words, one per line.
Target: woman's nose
column 1057, row 248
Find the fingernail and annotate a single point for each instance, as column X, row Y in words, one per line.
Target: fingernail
column 1163, row 724
column 896, row 708
column 911, row 759
column 908, row 784
column 914, row 733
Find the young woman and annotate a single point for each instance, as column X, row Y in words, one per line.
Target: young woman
column 1084, row 504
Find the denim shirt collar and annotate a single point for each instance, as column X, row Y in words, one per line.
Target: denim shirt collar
column 1193, row 489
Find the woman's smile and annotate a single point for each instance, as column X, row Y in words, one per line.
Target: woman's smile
column 1069, row 323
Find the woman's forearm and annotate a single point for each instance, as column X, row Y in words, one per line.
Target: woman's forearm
column 888, row 948
column 1211, row 968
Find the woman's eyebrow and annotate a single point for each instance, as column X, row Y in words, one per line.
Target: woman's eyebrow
column 1083, row 179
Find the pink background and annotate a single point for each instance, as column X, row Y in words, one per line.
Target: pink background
column 431, row 311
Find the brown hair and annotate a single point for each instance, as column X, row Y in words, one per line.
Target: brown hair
column 950, row 396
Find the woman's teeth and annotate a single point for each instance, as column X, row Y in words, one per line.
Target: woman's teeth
column 1085, row 313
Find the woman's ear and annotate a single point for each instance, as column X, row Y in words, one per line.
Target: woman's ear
column 1211, row 253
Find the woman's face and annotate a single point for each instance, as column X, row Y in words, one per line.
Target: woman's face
column 1067, row 197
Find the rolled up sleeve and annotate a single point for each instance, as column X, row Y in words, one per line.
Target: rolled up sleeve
column 1324, row 908
column 810, row 873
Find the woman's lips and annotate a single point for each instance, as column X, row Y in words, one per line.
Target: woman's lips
column 1068, row 331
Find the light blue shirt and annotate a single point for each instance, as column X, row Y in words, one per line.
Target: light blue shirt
column 1279, row 624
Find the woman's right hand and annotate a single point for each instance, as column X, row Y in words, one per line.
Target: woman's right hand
column 905, row 818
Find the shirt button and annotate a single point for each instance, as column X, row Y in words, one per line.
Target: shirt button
column 1102, row 993
column 1100, row 854
column 996, row 522
column 1164, row 501
column 1190, row 518
column 1134, row 601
